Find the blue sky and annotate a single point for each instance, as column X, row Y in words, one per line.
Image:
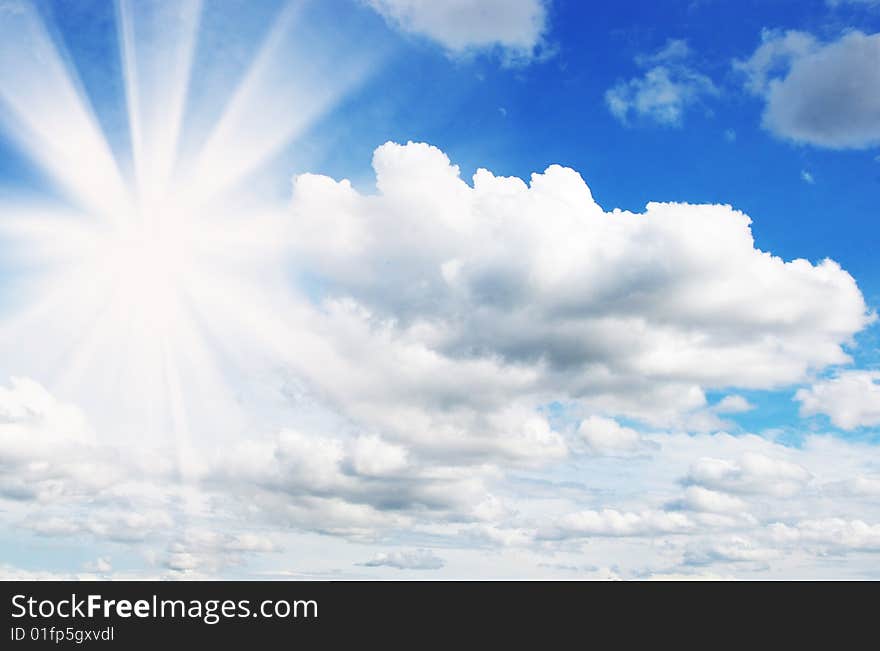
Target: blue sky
column 358, row 363
column 517, row 119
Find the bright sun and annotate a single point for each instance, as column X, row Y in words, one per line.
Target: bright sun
column 142, row 296
column 152, row 260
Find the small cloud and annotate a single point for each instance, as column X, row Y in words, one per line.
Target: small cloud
column 515, row 27
column 667, row 89
column 697, row 498
column 417, row 559
column 732, row 404
column 100, row 565
column 676, row 49
column 806, row 177
column 730, row 135
column 822, row 94
column 606, row 437
column 851, row 399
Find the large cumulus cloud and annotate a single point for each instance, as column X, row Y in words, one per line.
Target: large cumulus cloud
column 506, row 290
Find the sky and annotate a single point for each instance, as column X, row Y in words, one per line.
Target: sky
column 461, row 289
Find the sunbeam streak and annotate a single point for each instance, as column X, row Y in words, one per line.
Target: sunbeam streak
column 142, row 297
column 47, row 115
column 157, row 44
column 276, row 101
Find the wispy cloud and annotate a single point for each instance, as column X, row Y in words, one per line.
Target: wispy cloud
column 668, row 88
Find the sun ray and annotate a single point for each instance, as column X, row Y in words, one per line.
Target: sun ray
column 51, row 120
column 157, row 41
column 159, row 301
column 289, row 85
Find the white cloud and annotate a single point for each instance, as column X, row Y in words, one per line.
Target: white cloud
column 610, row 522
column 607, row 436
column 417, row 559
column 26, row 403
column 372, row 456
column 698, row 498
column 506, row 293
column 668, row 88
column 856, row 486
column 732, row 404
column 732, row 504
column 500, row 536
column 449, row 383
column 733, row 550
column 516, row 27
column 61, row 480
column 823, row 94
column 835, row 534
column 772, row 58
column 850, row 399
column 751, row 473
column 110, row 524
column 202, row 550
column 100, row 565
column 675, row 49
column 48, row 452
column 807, row 177
column 356, row 488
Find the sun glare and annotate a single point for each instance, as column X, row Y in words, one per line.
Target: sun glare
column 149, row 257
column 147, row 287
